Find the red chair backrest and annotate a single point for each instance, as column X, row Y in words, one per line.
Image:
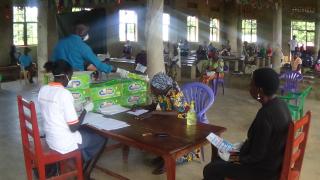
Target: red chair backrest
column 295, row 148
column 29, row 128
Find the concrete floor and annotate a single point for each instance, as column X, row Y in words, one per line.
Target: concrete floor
column 235, row 110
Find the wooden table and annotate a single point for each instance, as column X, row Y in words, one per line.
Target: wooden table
column 236, row 61
column 181, row 138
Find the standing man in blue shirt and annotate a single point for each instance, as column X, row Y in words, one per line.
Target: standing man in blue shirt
column 25, row 61
column 76, row 52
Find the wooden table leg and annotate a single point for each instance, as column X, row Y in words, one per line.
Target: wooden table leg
column 170, row 164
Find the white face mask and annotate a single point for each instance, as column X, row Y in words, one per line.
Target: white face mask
column 86, row 37
column 63, row 75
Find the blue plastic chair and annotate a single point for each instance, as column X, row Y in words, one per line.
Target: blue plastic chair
column 292, row 78
column 219, row 81
column 202, row 96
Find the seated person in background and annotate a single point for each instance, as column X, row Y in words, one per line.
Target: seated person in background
column 25, row 61
column 61, row 123
column 168, row 97
column 228, row 46
column 296, row 63
column 202, row 59
column 141, row 62
column 211, row 51
column 269, row 51
column 14, row 55
column 127, row 50
column 184, row 48
column 261, row 155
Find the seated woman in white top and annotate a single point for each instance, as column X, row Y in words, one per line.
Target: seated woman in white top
column 61, row 124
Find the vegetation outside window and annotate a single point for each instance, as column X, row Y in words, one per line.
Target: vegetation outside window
column 165, row 26
column 304, row 31
column 249, row 30
column 192, row 28
column 214, row 29
column 128, row 25
column 25, row 25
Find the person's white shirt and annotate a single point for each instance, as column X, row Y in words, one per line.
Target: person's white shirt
column 293, row 44
column 58, row 112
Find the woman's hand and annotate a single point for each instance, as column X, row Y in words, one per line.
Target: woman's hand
column 234, row 157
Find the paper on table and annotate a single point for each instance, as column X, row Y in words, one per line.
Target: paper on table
column 219, row 143
column 138, row 112
column 113, row 109
column 101, row 122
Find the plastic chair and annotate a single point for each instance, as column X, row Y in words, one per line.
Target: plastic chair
column 296, row 109
column 295, row 148
column 292, row 78
column 36, row 152
column 219, row 81
column 202, row 96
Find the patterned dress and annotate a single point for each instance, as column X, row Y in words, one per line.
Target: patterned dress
column 174, row 101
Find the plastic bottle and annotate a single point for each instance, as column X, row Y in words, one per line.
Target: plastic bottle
column 191, row 115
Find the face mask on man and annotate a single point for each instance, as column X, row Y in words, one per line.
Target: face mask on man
column 86, row 37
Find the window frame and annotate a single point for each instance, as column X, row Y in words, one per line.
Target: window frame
column 306, row 32
column 25, row 24
column 190, row 27
column 126, row 24
column 167, row 24
column 215, row 28
column 249, row 30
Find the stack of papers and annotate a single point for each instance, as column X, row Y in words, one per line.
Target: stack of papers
column 100, row 122
column 138, row 112
column 113, row 109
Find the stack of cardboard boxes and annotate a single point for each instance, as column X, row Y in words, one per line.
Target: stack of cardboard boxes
column 124, row 92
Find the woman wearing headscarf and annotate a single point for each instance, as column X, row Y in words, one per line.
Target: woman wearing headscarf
column 168, row 97
column 262, row 153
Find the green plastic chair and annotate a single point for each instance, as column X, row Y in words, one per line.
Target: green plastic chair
column 296, row 109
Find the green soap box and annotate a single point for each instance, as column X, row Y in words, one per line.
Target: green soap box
column 105, row 90
column 134, row 86
column 79, row 94
column 80, row 80
column 104, row 103
column 134, row 99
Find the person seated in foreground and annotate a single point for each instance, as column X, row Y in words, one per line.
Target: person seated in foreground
column 261, row 155
column 167, row 96
column 62, row 125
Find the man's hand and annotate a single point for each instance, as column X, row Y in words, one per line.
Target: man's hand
column 88, row 107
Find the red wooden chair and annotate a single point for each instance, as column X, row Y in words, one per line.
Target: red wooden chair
column 295, row 148
column 36, row 152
